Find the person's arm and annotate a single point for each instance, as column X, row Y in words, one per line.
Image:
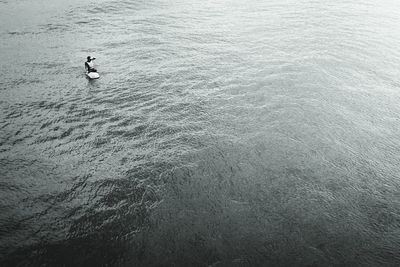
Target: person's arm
column 86, row 66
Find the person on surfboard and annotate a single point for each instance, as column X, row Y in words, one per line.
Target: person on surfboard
column 89, row 64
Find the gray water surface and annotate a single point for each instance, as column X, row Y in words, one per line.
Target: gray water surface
column 221, row 133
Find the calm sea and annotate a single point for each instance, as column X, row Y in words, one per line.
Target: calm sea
column 220, row 133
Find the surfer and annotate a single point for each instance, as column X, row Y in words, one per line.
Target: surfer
column 89, row 64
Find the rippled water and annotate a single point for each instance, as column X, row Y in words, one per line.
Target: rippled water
column 221, row 133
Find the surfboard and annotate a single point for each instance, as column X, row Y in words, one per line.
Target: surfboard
column 92, row 75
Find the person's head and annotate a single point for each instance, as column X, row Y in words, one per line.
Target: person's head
column 89, row 58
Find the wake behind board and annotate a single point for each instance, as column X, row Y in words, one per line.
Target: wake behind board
column 92, row 75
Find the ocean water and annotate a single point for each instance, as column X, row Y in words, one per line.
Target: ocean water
column 221, row 133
